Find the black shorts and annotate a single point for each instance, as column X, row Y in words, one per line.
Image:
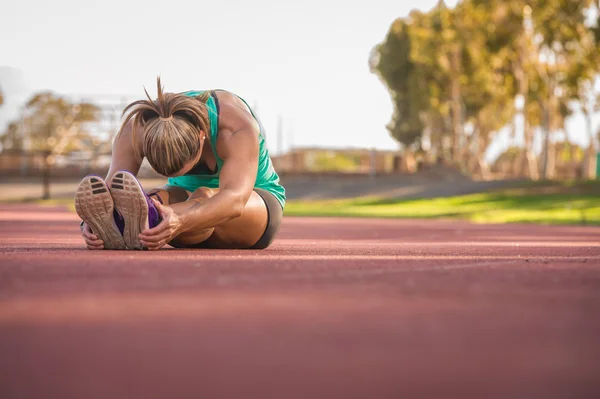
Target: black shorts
column 274, row 217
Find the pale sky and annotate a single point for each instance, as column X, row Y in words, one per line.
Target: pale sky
column 304, row 60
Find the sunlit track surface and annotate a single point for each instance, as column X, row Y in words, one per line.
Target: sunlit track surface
column 336, row 308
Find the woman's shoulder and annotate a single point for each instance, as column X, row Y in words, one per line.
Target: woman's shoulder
column 234, row 114
column 231, row 104
column 225, row 96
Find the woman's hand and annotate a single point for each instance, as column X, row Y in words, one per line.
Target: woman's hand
column 160, row 235
column 92, row 241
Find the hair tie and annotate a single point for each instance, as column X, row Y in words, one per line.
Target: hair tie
column 167, row 119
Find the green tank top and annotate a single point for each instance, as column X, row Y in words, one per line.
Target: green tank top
column 266, row 177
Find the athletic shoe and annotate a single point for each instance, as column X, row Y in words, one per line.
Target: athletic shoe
column 95, row 206
column 136, row 208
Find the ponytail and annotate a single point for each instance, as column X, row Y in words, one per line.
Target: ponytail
column 172, row 126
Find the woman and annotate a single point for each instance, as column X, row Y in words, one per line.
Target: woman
column 222, row 190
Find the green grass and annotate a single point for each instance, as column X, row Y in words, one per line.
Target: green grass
column 545, row 204
column 69, row 203
column 531, row 202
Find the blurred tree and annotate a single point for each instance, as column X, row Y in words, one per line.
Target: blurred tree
column 1, row 97
column 568, row 59
column 457, row 76
column 486, row 89
column 391, row 62
column 12, row 138
column 53, row 126
column 583, row 58
column 441, row 76
column 520, row 46
column 436, row 52
column 56, row 125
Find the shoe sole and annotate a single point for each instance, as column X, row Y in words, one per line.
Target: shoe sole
column 95, row 206
column 130, row 202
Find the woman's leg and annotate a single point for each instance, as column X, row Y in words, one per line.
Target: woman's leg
column 176, row 197
column 245, row 230
column 168, row 195
column 241, row 232
column 191, row 238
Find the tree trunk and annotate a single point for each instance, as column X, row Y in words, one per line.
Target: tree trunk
column 46, row 176
column 529, row 163
column 532, row 164
column 469, row 153
column 484, row 169
column 551, row 163
column 589, row 159
column 409, row 163
column 457, row 126
column 46, row 171
column 549, row 149
column 589, row 163
column 472, row 161
column 570, row 166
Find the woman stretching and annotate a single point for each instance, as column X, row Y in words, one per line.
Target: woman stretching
column 222, row 190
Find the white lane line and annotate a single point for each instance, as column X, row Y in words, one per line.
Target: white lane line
column 339, row 274
column 555, row 242
column 47, row 253
column 37, row 216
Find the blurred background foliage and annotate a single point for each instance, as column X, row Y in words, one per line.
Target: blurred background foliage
column 458, row 75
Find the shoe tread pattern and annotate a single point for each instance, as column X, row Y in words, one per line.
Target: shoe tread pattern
column 130, row 202
column 94, row 205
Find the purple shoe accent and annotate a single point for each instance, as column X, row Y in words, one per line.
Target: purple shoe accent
column 155, row 195
column 119, row 221
column 153, row 215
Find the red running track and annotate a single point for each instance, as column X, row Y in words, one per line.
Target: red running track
column 336, row 308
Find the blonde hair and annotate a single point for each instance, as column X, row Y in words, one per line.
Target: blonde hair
column 172, row 125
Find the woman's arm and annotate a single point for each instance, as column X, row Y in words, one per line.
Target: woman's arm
column 123, row 154
column 123, row 158
column 238, row 146
column 236, row 181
